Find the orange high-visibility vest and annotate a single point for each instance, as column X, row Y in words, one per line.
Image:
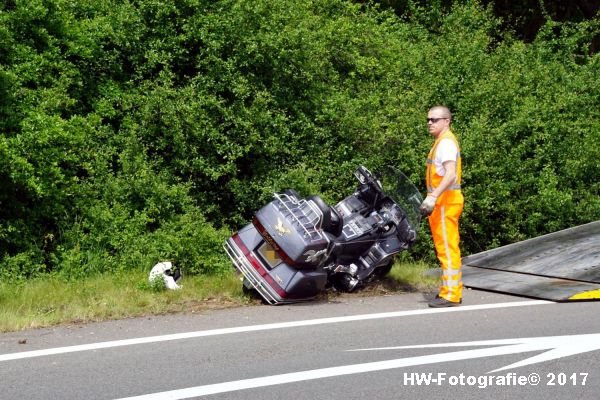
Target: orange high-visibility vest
column 453, row 194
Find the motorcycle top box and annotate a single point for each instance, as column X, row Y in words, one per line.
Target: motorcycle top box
column 296, row 247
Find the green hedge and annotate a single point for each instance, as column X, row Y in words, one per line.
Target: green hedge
column 145, row 130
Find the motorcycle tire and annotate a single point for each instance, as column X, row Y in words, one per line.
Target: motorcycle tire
column 383, row 270
column 345, row 283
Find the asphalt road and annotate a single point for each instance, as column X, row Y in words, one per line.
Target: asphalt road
column 494, row 346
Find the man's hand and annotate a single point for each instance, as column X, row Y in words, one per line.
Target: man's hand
column 427, row 206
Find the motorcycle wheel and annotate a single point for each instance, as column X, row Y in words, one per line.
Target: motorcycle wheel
column 385, row 269
column 344, row 282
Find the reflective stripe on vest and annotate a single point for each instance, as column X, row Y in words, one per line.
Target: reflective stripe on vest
column 433, row 180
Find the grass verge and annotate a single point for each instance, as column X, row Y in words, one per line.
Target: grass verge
column 51, row 300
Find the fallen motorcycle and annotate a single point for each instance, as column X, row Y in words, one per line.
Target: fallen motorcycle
column 297, row 247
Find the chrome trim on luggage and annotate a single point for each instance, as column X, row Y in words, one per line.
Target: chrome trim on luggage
column 302, row 212
column 242, row 264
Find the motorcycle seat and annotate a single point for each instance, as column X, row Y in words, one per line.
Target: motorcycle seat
column 332, row 221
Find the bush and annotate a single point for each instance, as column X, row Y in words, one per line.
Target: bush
column 141, row 131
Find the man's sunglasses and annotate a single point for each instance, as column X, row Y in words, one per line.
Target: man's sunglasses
column 434, row 120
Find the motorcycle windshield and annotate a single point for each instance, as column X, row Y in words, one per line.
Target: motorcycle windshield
column 404, row 193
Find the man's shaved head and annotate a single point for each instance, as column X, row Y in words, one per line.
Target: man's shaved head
column 441, row 112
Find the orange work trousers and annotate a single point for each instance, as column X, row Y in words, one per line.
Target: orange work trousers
column 444, row 229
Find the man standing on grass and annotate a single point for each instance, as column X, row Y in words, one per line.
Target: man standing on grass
column 444, row 204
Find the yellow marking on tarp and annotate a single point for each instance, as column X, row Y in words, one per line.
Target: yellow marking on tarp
column 591, row 294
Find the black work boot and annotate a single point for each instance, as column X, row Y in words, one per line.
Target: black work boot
column 439, row 302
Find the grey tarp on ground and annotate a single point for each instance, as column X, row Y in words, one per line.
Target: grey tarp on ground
column 557, row 266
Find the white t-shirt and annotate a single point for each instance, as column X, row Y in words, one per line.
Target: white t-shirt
column 446, row 151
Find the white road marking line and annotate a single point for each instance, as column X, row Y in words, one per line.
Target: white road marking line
column 560, row 346
column 254, row 328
